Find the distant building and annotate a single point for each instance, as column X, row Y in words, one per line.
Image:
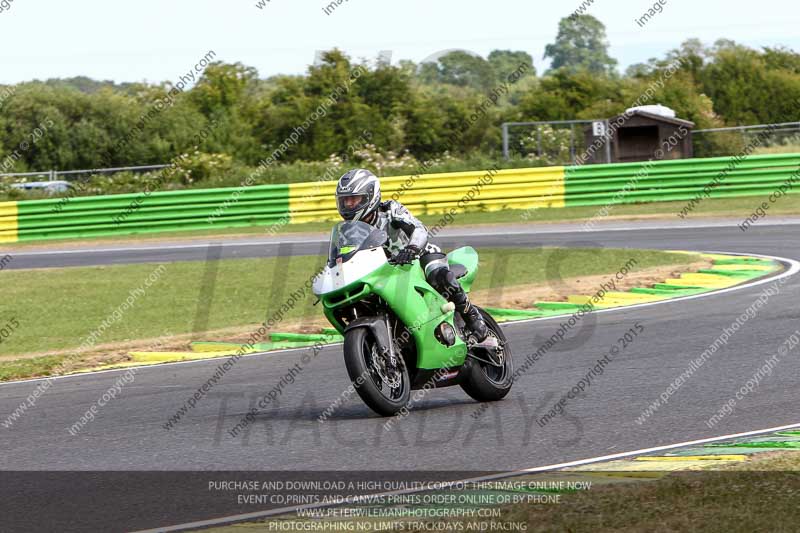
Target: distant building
column 644, row 133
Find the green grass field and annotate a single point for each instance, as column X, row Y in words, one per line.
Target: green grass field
column 57, row 309
column 757, row 495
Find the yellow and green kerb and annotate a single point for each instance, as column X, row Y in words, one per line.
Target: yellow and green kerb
column 433, row 194
column 9, row 222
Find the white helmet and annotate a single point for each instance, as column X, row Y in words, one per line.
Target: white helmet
column 358, row 194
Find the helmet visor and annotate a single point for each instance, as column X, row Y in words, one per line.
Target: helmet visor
column 351, row 204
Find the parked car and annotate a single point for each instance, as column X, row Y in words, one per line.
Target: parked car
column 51, row 187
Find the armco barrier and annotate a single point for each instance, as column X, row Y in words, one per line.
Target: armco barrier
column 425, row 194
column 431, row 194
column 678, row 180
column 123, row 214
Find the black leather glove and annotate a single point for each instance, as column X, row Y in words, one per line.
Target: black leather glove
column 406, row 255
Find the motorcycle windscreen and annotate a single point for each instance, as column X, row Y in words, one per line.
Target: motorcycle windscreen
column 350, row 237
column 343, row 274
column 345, row 264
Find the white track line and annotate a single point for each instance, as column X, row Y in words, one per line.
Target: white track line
column 793, row 269
column 447, row 484
column 477, row 232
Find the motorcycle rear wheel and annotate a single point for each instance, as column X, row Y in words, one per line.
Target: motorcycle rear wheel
column 487, row 383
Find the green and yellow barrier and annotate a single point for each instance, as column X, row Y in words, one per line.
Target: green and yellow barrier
column 9, row 222
column 434, row 194
column 677, row 180
column 429, row 194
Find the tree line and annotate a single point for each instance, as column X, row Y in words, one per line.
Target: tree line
column 411, row 110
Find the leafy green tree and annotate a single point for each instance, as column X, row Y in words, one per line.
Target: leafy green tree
column 222, row 86
column 566, row 94
column 323, row 111
column 505, row 62
column 735, row 80
column 679, row 93
column 388, row 92
column 88, row 85
column 782, row 58
column 639, row 70
column 426, row 110
column 224, row 94
column 692, row 54
column 461, row 69
column 581, row 44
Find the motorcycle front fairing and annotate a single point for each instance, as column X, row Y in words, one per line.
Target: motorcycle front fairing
column 421, row 308
column 343, row 274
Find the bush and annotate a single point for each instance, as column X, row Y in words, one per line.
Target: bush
column 548, row 146
column 220, row 172
column 199, row 166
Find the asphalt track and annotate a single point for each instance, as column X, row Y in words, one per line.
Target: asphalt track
column 441, row 434
column 680, row 234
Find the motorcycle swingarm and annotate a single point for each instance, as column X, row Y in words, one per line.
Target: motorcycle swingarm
column 488, row 358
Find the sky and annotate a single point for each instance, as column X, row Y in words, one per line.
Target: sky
column 154, row 41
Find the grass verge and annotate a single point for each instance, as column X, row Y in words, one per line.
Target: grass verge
column 57, row 310
column 757, row 495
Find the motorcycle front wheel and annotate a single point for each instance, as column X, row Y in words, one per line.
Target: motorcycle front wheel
column 385, row 389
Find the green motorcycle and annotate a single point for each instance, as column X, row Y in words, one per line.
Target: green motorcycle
column 400, row 334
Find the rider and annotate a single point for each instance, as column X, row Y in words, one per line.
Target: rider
column 358, row 197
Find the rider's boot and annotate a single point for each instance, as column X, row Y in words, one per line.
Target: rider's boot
column 438, row 273
column 471, row 315
column 475, row 322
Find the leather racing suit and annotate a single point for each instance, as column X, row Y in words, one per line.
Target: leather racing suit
column 404, row 231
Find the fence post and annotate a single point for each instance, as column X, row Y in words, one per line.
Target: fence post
column 539, row 140
column 572, row 143
column 505, row 141
column 52, row 175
